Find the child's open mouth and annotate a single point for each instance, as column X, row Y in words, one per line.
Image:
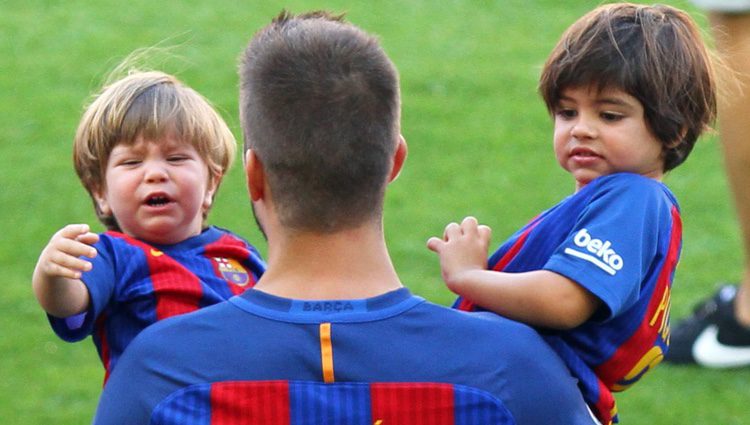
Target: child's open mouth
column 157, row 200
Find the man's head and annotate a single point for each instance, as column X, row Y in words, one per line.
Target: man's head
column 320, row 108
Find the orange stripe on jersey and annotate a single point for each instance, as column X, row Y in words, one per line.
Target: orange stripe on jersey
column 326, row 352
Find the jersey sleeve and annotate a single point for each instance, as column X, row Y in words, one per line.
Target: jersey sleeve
column 615, row 241
column 100, row 282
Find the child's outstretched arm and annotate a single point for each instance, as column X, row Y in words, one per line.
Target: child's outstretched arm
column 56, row 279
column 539, row 298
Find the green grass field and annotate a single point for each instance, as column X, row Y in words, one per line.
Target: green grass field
column 479, row 139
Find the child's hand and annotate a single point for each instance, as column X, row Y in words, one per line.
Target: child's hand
column 60, row 258
column 462, row 249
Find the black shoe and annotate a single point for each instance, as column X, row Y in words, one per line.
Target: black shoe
column 711, row 337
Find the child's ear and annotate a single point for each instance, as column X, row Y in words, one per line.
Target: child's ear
column 676, row 142
column 213, row 185
column 101, row 202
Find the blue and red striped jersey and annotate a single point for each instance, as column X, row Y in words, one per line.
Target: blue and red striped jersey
column 620, row 238
column 312, row 403
column 390, row 359
column 133, row 284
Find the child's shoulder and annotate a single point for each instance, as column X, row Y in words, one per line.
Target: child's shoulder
column 629, row 183
column 208, row 235
column 215, row 238
column 627, row 189
column 627, row 179
column 114, row 238
column 217, row 231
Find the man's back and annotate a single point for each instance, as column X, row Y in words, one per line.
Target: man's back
column 475, row 368
column 320, row 110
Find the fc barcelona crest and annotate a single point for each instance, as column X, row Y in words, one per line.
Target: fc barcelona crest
column 232, row 271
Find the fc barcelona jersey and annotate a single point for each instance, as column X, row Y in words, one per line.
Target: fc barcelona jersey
column 620, row 238
column 133, row 284
column 390, row 359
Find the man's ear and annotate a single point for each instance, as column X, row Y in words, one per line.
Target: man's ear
column 399, row 156
column 255, row 175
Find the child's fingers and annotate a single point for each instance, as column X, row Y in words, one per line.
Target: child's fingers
column 469, row 223
column 452, row 231
column 60, row 271
column 434, row 244
column 69, row 261
column 72, row 231
column 485, row 232
column 74, row 248
column 64, row 265
column 88, row 238
column 470, row 227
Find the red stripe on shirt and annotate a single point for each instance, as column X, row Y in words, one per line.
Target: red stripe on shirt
column 250, row 403
column 605, row 409
column 176, row 289
column 101, row 332
column 412, row 404
column 513, row 251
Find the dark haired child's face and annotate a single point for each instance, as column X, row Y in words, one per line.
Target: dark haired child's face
column 157, row 190
column 604, row 132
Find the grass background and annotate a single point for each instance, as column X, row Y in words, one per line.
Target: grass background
column 479, row 139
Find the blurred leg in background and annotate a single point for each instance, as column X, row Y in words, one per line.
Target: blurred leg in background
column 717, row 334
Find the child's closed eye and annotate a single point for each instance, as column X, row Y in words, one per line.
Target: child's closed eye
column 178, row 158
column 566, row 113
column 129, row 162
column 611, row 116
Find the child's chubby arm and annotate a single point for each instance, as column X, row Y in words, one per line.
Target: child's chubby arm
column 56, row 280
column 539, row 298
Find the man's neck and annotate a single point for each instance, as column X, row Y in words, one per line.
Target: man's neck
column 343, row 265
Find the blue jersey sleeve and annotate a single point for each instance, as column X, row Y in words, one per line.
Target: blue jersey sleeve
column 614, row 242
column 100, row 282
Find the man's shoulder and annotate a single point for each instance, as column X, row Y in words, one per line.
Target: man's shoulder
column 481, row 326
column 185, row 330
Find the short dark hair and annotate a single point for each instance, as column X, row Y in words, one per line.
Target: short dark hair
column 320, row 106
column 655, row 54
